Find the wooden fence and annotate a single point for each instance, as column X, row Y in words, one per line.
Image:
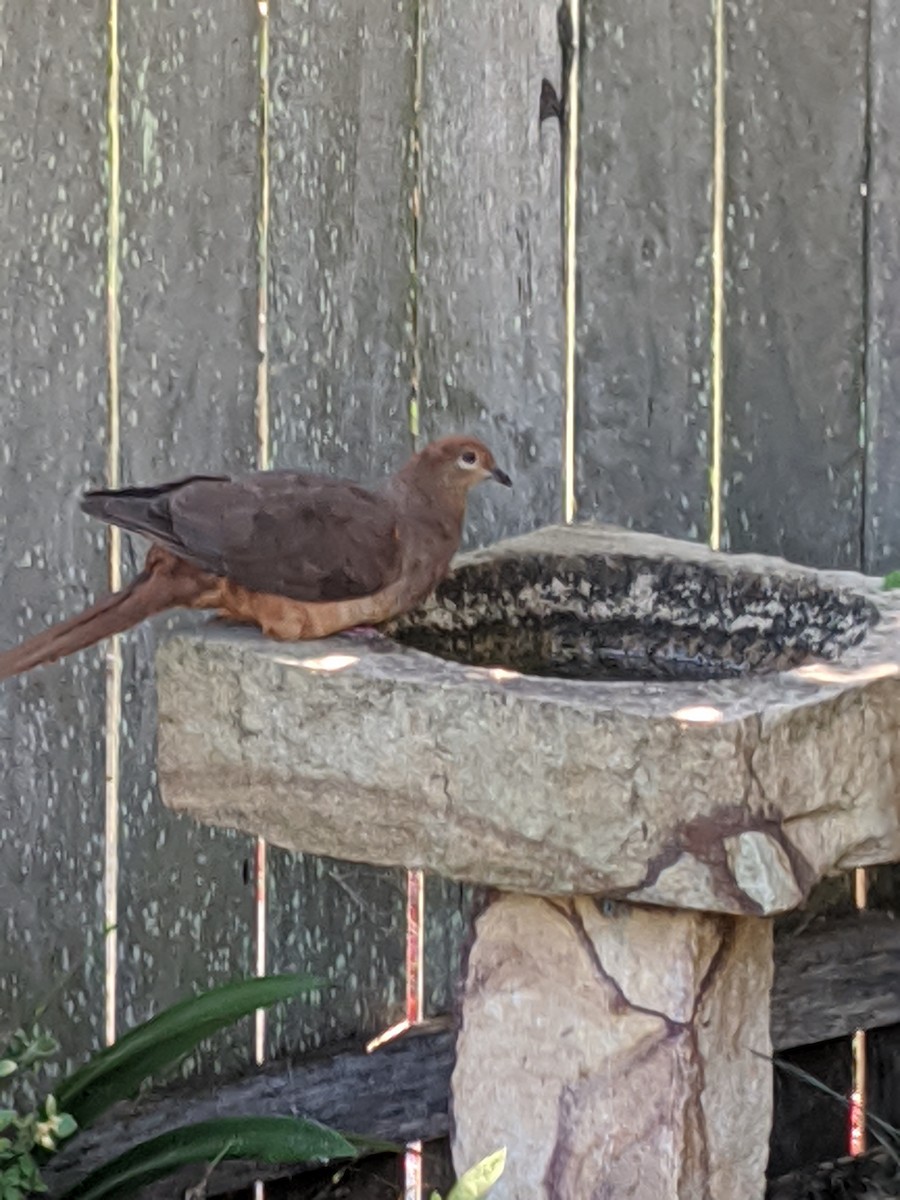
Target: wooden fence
column 308, row 233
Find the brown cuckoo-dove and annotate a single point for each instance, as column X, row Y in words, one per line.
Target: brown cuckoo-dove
column 299, row 555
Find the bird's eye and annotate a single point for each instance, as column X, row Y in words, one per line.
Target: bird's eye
column 468, row 458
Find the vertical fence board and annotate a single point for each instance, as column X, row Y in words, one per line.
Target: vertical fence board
column 796, row 96
column 881, row 532
column 53, row 407
column 342, row 80
column 644, row 235
column 340, row 367
column 190, row 182
column 345, row 923
column 490, row 292
column 450, row 911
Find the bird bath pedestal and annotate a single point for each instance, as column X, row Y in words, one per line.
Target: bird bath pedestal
column 648, row 750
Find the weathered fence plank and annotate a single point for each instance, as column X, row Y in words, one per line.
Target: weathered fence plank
column 340, row 365
column 489, row 255
column 190, row 183
column 399, row 1092
column 53, row 411
column 450, row 911
column 841, row 975
column 344, row 922
column 644, row 275
column 794, row 334
column 881, row 533
column 342, row 82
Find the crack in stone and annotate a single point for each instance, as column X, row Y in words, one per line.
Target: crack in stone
column 560, row 1156
column 725, row 927
column 704, row 836
column 445, row 784
column 623, row 1003
column 695, row 1128
column 820, row 810
column 698, row 1115
column 748, row 748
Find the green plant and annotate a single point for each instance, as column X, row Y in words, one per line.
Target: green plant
column 478, row 1180
column 891, row 580
column 26, row 1137
column 262, row 1139
column 117, row 1072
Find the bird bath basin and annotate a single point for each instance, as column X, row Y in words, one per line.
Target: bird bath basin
column 547, row 606
column 650, row 749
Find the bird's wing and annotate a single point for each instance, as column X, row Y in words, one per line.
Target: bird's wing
column 306, row 537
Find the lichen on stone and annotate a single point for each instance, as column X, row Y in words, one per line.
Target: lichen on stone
column 618, row 616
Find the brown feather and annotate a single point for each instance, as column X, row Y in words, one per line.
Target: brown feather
column 302, row 536
column 163, row 584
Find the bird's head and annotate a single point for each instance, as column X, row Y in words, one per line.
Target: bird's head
column 456, row 464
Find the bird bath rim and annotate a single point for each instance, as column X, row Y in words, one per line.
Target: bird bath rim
column 623, row 613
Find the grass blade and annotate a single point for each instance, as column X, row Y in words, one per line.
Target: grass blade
column 117, row 1072
column 275, row 1140
column 883, row 1132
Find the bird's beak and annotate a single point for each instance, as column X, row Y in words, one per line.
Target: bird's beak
column 501, row 477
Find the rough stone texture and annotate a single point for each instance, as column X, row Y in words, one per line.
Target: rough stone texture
column 733, row 794
column 612, row 1051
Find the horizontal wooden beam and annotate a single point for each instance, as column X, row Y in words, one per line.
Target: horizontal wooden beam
column 835, row 978
column 399, row 1092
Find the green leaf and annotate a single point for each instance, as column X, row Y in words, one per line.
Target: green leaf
column 7, row 1067
column 7, row 1116
column 65, row 1125
column 365, row 1145
column 259, row 1139
column 118, row 1071
column 479, row 1180
column 44, row 1045
column 891, row 580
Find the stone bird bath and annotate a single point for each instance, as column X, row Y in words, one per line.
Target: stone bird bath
column 649, row 750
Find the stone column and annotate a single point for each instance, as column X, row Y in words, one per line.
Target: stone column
column 614, row 1050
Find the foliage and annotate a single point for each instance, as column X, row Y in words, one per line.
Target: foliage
column 28, row 1140
column 262, row 1139
column 478, row 1180
column 117, row 1072
column 891, row 580
column 24, row 1136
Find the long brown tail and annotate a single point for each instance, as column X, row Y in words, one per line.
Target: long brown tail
column 150, row 593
